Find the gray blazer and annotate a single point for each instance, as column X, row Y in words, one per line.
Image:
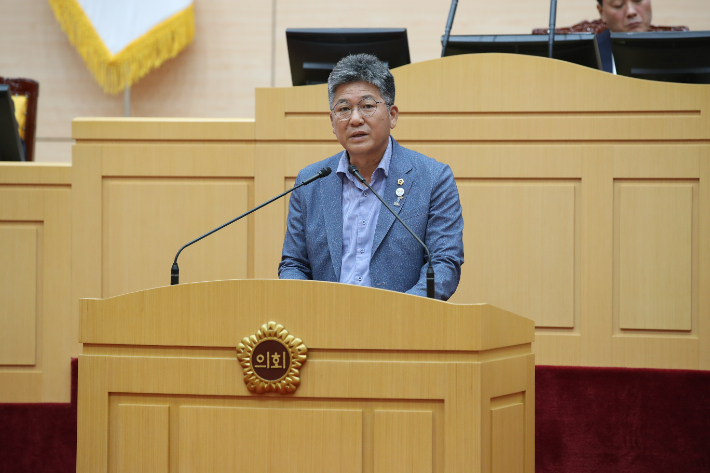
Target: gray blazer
column 314, row 230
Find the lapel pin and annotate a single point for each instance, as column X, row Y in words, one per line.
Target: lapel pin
column 400, row 182
column 396, row 203
column 399, row 192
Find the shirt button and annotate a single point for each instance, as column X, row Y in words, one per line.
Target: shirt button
column 365, row 194
column 362, row 250
column 359, row 278
column 363, row 222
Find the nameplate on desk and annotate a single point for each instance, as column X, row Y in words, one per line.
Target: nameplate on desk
column 272, row 360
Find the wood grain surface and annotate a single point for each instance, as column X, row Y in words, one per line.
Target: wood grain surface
column 418, row 386
column 37, row 327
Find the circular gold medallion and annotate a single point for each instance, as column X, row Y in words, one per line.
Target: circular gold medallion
column 271, row 360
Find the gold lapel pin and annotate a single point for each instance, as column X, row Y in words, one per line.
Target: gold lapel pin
column 400, row 182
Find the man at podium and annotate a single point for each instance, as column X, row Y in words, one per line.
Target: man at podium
column 338, row 231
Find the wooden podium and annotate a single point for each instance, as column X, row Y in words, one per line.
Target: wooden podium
column 392, row 383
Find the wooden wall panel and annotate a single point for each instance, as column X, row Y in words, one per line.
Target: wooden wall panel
column 18, row 317
column 203, row 409
column 142, row 439
column 508, row 450
column 164, row 130
column 139, row 196
column 668, row 350
column 508, row 417
column 523, row 234
column 403, row 442
column 703, row 257
column 667, row 167
column 655, row 255
column 37, row 328
column 146, row 220
column 214, row 439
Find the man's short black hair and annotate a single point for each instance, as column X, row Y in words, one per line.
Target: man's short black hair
column 600, row 3
column 362, row 67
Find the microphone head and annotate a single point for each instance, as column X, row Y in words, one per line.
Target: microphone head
column 353, row 169
column 325, row 171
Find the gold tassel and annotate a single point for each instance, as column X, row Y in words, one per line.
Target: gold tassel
column 115, row 73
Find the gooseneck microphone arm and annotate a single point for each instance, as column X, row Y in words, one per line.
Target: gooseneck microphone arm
column 553, row 20
column 449, row 23
column 430, row 293
column 175, row 270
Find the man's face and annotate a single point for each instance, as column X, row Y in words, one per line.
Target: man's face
column 363, row 136
column 625, row 16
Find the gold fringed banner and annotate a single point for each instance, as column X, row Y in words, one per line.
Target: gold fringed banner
column 116, row 72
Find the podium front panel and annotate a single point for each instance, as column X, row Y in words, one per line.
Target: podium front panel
column 371, row 398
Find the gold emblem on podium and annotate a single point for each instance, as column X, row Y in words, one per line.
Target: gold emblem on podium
column 272, row 359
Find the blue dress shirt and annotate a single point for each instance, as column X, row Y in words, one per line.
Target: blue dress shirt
column 360, row 212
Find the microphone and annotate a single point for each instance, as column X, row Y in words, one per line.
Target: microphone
column 175, row 270
column 430, row 270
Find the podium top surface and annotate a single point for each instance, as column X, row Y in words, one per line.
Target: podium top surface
column 324, row 315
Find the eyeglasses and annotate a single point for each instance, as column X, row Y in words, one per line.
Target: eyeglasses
column 343, row 110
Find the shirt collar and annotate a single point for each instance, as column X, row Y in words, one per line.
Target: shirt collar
column 384, row 162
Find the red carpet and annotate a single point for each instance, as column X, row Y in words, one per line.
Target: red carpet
column 587, row 420
column 39, row 438
column 621, row 420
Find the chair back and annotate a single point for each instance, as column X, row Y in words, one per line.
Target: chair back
column 30, row 89
column 597, row 26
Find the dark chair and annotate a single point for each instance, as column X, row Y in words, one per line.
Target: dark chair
column 30, row 89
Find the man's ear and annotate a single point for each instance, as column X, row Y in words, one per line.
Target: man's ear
column 394, row 115
column 600, row 10
column 332, row 122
